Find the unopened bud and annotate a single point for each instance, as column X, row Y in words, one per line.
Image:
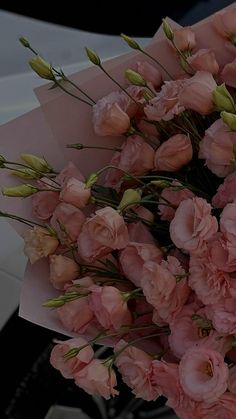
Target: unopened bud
column 223, row 99
column 130, row 197
column 167, row 30
column 24, row 42
column 135, row 78
column 162, row 184
column 229, row 119
column 92, row 179
column 25, row 174
column 92, row 56
column 37, row 163
column 131, row 42
column 42, row 68
column 20, row 191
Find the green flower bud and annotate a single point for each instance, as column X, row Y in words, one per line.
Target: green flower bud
column 42, row 68
column 20, row 191
column 229, row 119
column 130, row 197
column 93, row 57
column 92, row 179
column 135, row 78
column 223, row 99
column 37, row 163
column 162, row 184
column 167, row 30
column 25, row 174
column 131, row 42
column 24, row 42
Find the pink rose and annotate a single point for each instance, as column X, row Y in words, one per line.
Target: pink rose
column 74, row 192
column 136, row 157
column 228, row 74
column 223, row 408
column 204, row 60
column 228, row 222
column 226, row 192
column 110, row 115
column 70, row 171
column 217, row 148
column 150, row 73
column 184, row 39
column 203, row 374
column 223, row 315
column 44, row 203
column 133, row 257
column 166, row 104
column 135, row 366
column 232, row 379
column 174, row 153
column 97, row 379
column 62, row 271
column 102, row 233
column 224, row 22
column 39, row 243
column 67, row 221
column 174, row 196
column 109, row 306
column 193, row 224
column 140, row 233
column 68, row 367
column 197, row 93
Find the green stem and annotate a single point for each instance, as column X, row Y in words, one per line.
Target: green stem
column 83, row 147
column 157, row 62
column 65, row 78
column 20, row 219
column 58, row 84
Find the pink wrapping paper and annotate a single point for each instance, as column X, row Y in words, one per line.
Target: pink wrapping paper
column 61, row 120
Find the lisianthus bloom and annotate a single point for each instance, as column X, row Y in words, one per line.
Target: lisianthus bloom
column 75, row 192
column 184, row 38
column 174, row 153
column 150, row 73
column 226, row 192
column 204, row 60
column 174, row 195
column 62, row 271
column 39, row 243
column 44, row 203
column 222, row 408
column 67, row 221
column 228, row 74
column 224, row 23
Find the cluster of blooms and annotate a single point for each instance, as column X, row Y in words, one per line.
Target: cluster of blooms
column 143, row 251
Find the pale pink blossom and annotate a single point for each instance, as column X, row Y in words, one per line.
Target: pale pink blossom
column 226, row 192
column 223, row 408
column 228, row 222
column 224, row 22
column 203, row 374
column 228, row 74
column 140, row 233
column 75, row 192
column 150, row 73
column 204, row 60
column 217, row 148
column 135, row 366
column 39, row 243
column 166, row 104
column 232, row 379
column 110, row 115
column 68, row 367
column 44, row 203
column 222, row 252
column 62, row 271
column 193, row 224
column 174, row 153
column 150, row 130
column 133, row 257
column 67, row 221
column 69, row 171
column 197, row 93
column 103, row 232
column 172, row 195
column 97, row 379
column 109, row 306
column 184, row 38
column 136, row 157
column 76, row 315
column 223, row 315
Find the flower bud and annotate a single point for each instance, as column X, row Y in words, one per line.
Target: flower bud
column 229, row 119
column 223, row 99
column 20, row 191
column 135, row 78
column 130, row 197
column 24, row 42
column 25, row 174
column 42, row 68
column 162, row 184
column 93, row 57
column 131, row 42
column 36, row 163
column 167, row 30
column 92, row 179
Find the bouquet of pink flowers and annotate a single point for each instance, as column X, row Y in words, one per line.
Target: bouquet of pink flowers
column 131, row 233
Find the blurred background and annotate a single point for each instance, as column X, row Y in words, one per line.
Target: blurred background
column 30, row 385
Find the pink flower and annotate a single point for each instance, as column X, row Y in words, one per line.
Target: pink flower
column 144, row 214
column 184, row 39
column 110, row 115
column 62, row 271
column 166, row 104
column 192, row 224
column 197, row 93
column 150, row 73
column 232, row 379
column 203, row 374
column 224, row 22
column 67, row 221
column 97, row 379
column 217, row 148
column 74, row 192
column 173, row 195
column 135, row 367
column 228, row 74
column 133, row 257
column 228, row 222
column 223, row 315
column 204, row 60
column 223, row 408
column 222, row 252
column 136, row 157
column 39, row 243
column 70, row 171
column 140, row 233
column 102, row 233
column 109, row 307
column 226, row 192
column 68, row 367
column 174, row 153
column 44, row 203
